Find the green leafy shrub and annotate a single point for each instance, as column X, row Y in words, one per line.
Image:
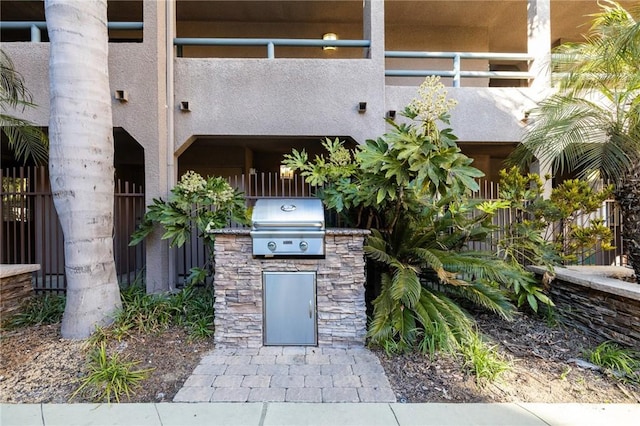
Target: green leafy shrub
column 191, row 307
column 110, row 376
column 411, row 188
column 547, row 231
column 41, row 309
column 197, row 205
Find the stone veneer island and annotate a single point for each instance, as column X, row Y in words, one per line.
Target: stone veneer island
column 340, row 288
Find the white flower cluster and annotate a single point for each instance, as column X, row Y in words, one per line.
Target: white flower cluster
column 191, row 182
column 220, row 197
column 432, row 101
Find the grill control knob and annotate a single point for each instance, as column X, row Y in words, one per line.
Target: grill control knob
column 304, row 245
column 271, row 245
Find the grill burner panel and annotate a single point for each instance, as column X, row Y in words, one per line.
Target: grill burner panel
column 288, row 227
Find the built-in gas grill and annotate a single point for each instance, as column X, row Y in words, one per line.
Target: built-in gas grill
column 288, row 227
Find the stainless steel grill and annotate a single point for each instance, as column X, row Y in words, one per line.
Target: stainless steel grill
column 288, row 227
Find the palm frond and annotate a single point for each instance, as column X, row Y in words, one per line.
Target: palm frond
column 483, row 294
column 450, row 318
column 13, row 92
column 581, row 132
column 25, row 140
column 405, row 286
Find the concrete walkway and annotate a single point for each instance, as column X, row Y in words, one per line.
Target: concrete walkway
column 266, row 414
column 287, row 374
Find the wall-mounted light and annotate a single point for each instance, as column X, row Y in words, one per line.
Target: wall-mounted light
column 525, row 117
column 184, row 106
column 362, row 107
column 286, row 172
column 121, row 95
column 329, row 37
column 391, row 114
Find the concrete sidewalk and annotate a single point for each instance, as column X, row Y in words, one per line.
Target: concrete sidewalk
column 369, row 414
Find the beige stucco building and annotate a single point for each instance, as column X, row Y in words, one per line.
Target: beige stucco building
column 226, row 87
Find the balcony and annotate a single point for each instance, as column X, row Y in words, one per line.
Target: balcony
column 263, row 67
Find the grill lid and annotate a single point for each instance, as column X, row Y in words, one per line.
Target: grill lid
column 288, row 227
column 287, row 213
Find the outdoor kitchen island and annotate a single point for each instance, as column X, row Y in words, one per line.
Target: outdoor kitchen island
column 339, row 310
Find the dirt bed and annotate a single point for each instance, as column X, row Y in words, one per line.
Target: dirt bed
column 38, row 366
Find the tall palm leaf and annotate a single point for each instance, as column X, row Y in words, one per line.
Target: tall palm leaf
column 25, row 140
column 591, row 126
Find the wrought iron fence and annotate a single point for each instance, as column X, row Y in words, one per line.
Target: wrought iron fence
column 609, row 212
column 30, row 231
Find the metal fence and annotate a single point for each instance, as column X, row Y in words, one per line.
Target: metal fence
column 609, row 212
column 261, row 185
column 30, row 231
column 254, row 186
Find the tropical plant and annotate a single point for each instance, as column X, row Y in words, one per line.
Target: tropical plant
column 195, row 204
column 110, row 376
column 410, row 187
column 24, row 138
column 591, row 125
column 547, row 231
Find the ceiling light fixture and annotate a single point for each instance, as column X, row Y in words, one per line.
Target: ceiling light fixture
column 329, row 37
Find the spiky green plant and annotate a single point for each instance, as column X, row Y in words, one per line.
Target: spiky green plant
column 483, row 360
column 625, row 363
column 110, row 376
column 41, row 309
column 25, row 139
column 591, row 125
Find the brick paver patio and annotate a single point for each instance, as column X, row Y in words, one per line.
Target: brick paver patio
column 287, row 374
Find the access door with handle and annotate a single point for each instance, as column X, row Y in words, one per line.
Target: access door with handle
column 289, row 308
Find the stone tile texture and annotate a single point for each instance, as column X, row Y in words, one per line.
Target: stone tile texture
column 288, row 374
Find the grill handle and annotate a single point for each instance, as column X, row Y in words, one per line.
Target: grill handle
column 288, row 225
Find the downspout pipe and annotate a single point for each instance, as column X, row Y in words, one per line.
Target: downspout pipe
column 170, row 107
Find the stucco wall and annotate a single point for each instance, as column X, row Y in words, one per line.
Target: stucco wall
column 279, row 97
column 482, row 114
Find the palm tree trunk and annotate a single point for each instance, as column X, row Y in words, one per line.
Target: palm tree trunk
column 81, row 160
column 628, row 197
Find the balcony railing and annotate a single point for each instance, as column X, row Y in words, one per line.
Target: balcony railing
column 269, row 43
column 36, row 27
column 456, row 72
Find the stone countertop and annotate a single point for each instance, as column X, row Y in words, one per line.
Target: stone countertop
column 12, row 270
column 329, row 231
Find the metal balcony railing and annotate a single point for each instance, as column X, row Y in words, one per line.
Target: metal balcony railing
column 269, row 43
column 456, row 72
column 37, row 27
